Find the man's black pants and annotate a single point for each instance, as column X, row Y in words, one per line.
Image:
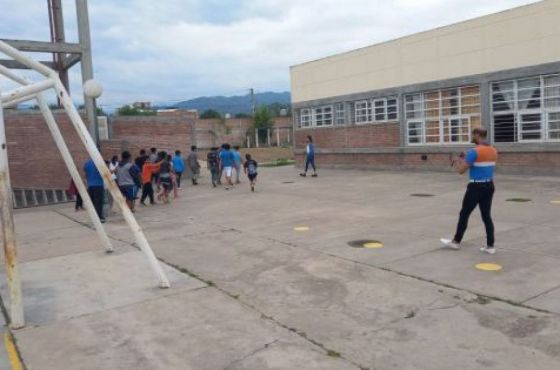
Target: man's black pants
column 147, row 191
column 96, row 194
column 481, row 194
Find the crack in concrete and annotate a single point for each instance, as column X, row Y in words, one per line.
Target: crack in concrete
column 266, row 345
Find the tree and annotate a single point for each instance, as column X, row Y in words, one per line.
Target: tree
column 275, row 108
column 128, row 110
column 242, row 115
column 210, row 113
column 262, row 121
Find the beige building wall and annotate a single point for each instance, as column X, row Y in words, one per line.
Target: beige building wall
column 524, row 36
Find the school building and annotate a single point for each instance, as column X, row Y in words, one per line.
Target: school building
column 411, row 102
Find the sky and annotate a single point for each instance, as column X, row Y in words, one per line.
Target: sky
column 174, row 50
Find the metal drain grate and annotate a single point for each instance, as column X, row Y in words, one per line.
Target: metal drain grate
column 366, row 243
column 518, row 200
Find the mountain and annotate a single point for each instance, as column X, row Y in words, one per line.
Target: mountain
column 234, row 104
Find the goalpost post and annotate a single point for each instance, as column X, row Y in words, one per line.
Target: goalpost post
column 30, row 91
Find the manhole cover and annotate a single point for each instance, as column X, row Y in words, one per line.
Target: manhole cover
column 518, row 200
column 368, row 244
column 422, row 195
column 301, row 228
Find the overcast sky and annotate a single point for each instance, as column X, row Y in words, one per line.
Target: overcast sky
column 170, row 50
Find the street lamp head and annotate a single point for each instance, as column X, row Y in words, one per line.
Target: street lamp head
column 93, row 89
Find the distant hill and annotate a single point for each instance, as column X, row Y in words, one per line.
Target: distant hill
column 234, row 104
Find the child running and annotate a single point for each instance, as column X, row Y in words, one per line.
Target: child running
column 165, row 178
column 250, row 169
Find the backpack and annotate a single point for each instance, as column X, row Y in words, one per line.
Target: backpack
column 251, row 167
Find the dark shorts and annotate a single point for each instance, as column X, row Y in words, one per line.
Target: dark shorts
column 165, row 182
column 127, row 192
column 252, row 177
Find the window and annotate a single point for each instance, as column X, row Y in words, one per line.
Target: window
column 526, row 110
column 442, row 116
column 322, row 116
column 339, row 114
column 363, row 111
column 392, row 114
column 377, row 110
column 305, row 118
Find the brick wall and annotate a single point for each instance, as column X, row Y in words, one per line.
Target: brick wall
column 365, row 136
column 34, row 160
column 529, row 163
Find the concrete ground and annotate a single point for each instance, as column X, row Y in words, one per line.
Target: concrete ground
column 250, row 292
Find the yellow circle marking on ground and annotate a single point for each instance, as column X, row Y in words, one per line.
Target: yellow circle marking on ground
column 488, row 267
column 373, row 245
column 556, row 201
column 301, row 228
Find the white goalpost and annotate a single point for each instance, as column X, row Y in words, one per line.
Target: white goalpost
column 34, row 91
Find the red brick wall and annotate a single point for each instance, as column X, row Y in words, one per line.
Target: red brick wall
column 164, row 133
column 531, row 163
column 364, row 136
column 33, row 157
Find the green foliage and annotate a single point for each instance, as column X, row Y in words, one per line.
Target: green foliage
column 210, row 113
column 128, row 110
column 242, row 115
column 262, row 118
column 275, row 109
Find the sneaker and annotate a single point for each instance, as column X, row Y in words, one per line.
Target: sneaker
column 489, row 250
column 252, row 188
column 303, row 174
column 314, row 175
column 449, row 243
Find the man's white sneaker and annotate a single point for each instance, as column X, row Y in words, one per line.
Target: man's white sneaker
column 488, row 250
column 449, row 243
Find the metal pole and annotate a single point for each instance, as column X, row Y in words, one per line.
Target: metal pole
column 268, row 136
column 26, row 91
column 112, row 186
column 277, row 136
column 74, row 173
column 87, row 65
column 57, row 35
column 9, row 233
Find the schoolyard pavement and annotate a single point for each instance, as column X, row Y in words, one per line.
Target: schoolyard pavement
column 278, row 279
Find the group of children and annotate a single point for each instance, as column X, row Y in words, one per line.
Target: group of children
column 162, row 172
column 223, row 161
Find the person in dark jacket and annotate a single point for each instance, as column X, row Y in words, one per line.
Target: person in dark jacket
column 309, row 157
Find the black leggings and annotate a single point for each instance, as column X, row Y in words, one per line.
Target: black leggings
column 147, row 191
column 97, row 194
column 310, row 161
column 480, row 194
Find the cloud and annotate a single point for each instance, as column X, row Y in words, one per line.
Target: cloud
column 178, row 49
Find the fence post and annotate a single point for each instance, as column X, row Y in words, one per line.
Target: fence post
column 268, row 136
column 277, row 136
column 257, row 138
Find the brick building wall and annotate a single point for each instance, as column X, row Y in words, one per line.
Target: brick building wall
column 34, row 160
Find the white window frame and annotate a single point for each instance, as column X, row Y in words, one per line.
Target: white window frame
column 517, row 112
column 305, row 112
column 339, row 114
column 440, row 118
column 374, row 108
column 368, row 112
column 316, row 111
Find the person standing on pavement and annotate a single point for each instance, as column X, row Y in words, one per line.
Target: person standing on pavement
column 141, row 159
column 179, row 167
column 95, row 187
column 237, row 163
column 213, row 164
column 128, row 177
column 481, row 163
column 309, row 157
column 227, row 162
column 193, row 165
